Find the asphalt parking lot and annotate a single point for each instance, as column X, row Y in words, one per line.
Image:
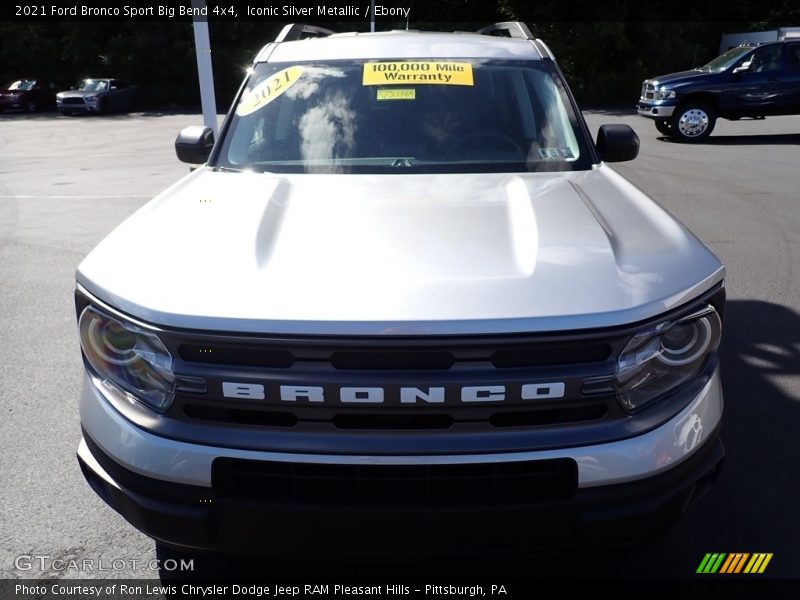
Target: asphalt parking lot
column 66, row 182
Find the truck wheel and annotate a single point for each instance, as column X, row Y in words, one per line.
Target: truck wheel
column 663, row 126
column 31, row 106
column 693, row 121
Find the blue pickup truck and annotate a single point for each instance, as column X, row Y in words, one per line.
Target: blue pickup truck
column 747, row 81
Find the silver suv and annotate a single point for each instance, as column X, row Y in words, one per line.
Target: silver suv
column 403, row 298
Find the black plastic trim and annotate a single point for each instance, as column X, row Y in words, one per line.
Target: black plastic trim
column 192, row 517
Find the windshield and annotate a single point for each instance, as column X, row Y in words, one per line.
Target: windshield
column 23, row 84
column 92, row 85
column 445, row 116
column 725, row 61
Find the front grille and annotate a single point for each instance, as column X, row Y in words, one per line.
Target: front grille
column 435, row 370
column 387, row 486
column 399, row 357
column 239, row 416
column 648, row 91
column 72, row 101
column 408, row 420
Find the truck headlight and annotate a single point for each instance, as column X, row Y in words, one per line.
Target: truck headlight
column 91, row 98
column 660, row 359
column 663, row 93
column 128, row 358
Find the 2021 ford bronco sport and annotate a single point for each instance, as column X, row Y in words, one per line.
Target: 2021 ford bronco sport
column 403, row 298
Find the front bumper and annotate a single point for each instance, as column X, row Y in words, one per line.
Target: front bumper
column 655, row 110
column 83, row 107
column 621, row 491
column 8, row 103
column 190, row 517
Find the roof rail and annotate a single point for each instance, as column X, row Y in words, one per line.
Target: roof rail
column 514, row 29
column 300, row 31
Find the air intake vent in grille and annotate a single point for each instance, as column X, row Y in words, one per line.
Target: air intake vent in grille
column 530, row 418
column 241, row 416
column 395, row 485
column 393, row 422
column 246, row 356
column 533, row 356
column 392, row 360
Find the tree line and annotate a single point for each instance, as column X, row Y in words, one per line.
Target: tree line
column 605, row 49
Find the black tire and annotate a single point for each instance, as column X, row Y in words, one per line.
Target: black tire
column 693, row 121
column 664, row 126
column 31, row 107
column 105, row 107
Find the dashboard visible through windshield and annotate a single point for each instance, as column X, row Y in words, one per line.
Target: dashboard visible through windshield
column 390, row 116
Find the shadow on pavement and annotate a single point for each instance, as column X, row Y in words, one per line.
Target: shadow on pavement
column 751, row 508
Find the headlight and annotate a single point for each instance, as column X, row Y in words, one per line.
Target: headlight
column 663, row 93
column 128, row 358
column 91, row 98
column 662, row 358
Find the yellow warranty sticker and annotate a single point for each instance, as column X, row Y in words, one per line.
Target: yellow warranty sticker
column 395, row 94
column 433, row 72
column 269, row 89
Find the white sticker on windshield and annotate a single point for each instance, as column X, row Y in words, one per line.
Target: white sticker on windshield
column 549, row 153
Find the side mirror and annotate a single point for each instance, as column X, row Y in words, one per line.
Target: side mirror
column 113, row 87
column 193, row 144
column 617, row 143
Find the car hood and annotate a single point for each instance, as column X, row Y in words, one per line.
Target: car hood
column 78, row 94
column 680, row 77
column 399, row 254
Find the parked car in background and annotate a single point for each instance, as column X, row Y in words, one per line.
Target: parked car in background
column 29, row 95
column 747, row 81
column 95, row 95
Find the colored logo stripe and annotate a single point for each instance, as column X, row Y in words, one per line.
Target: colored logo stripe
column 758, row 563
column 711, row 563
column 736, row 562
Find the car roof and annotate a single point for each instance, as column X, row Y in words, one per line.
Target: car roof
column 401, row 44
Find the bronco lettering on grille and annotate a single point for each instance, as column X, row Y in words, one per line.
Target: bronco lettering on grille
column 408, row 395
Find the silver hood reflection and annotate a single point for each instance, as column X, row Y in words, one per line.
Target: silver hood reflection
column 399, row 254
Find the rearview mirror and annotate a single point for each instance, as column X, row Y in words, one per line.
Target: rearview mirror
column 193, row 144
column 617, row 143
